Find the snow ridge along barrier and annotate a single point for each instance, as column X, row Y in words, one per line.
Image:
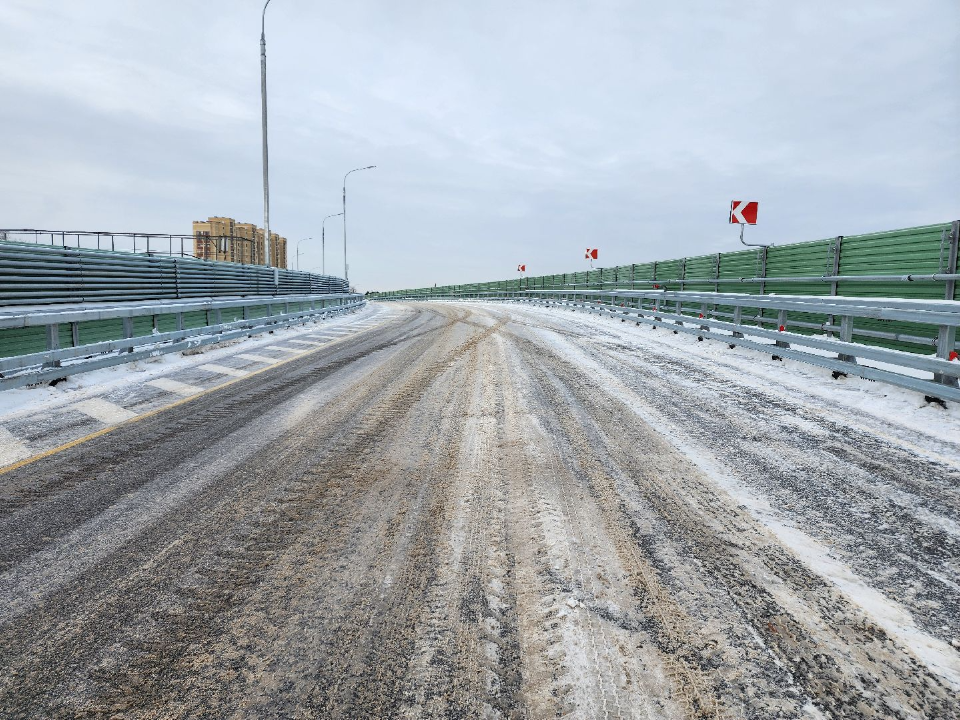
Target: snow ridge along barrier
column 32, row 274
column 835, row 347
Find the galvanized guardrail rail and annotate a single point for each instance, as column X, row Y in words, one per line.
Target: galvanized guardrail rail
column 827, row 336
column 147, row 329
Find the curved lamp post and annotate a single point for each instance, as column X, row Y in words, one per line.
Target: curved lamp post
column 298, row 251
column 368, row 167
column 323, row 242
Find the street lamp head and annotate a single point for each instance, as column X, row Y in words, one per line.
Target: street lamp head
column 368, row 167
column 263, row 19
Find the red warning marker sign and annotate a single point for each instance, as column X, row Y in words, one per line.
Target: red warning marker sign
column 743, row 212
column 521, row 268
column 592, row 254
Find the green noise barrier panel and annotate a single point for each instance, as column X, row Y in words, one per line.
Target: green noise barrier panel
column 910, row 263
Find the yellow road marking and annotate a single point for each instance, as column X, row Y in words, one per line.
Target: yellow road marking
column 157, row 411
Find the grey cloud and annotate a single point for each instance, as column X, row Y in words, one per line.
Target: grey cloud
column 503, row 132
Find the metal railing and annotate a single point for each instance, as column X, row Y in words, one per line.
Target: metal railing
column 147, row 243
column 34, row 274
column 203, row 246
column 827, row 335
column 214, row 320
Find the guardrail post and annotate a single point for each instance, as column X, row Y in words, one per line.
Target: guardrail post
column 947, row 335
column 782, row 323
column 834, row 271
column 128, row 330
column 75, row 333
column 179, row 318
column 53, row 336
column 946, row 341
column 846, row 335
column 763, row 269
column 53, row 343
column 737, row 320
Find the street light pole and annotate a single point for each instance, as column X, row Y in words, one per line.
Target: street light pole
column 298, row 251
column 368, row 167
column 323, row 242
column 266, row 164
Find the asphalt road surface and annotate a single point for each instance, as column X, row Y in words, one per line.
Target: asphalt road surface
column 484, row 512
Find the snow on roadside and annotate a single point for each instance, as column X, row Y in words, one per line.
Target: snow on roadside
column 860, row 399
column 885, row 611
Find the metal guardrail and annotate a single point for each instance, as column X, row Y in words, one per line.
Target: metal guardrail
column 55, row 274
column 739, row 319
column 57, row 362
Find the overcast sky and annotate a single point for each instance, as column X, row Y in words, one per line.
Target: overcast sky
column 503, row 132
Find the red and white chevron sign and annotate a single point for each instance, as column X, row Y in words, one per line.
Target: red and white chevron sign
column 592, row 253
column 521, row 268
column 743, row 212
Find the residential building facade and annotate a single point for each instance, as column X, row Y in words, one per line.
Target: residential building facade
column 226, row 240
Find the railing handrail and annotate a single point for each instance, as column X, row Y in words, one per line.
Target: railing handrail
column 920, row 311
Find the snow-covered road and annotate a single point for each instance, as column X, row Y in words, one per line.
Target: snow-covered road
column 486, row 510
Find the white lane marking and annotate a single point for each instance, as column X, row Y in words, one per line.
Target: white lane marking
column 11, row 449
column 259, row 358
column 103, row 410
column 284, row 349
column 175, row 386
column 223, row 370
column 305, row 342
